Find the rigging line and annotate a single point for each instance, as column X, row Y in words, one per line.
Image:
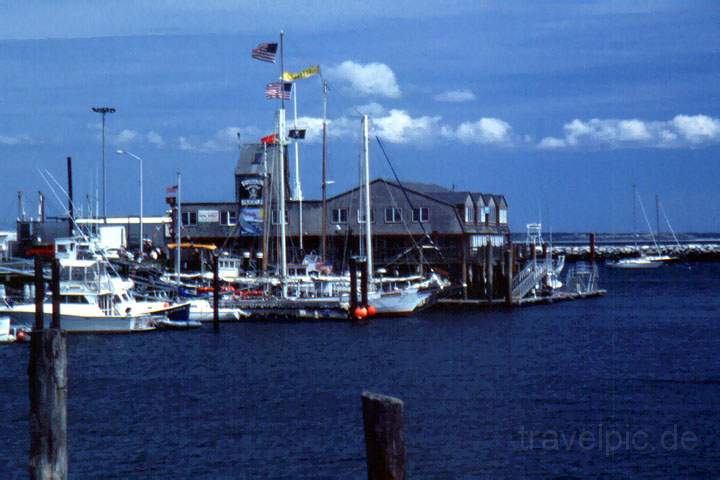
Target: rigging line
column 642, row 208
column 662, row 210
column 415, row 245
column 407, row 197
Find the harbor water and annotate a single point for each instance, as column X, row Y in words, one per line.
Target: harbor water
column 622, row 386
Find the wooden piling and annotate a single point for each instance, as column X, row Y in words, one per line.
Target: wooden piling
column 384, row 436
column 39, row 294
column 47, row 375
column 488, row 272
column 216, row 293
column 352, row 263
column 508, row 277
column 55, row 283
column 362, row 266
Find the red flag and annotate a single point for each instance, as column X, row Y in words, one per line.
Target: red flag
column 269, row 139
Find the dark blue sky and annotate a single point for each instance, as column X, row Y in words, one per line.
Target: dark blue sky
column 561, row 106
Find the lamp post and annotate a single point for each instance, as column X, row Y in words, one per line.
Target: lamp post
column 103, row 111
column 125, row 152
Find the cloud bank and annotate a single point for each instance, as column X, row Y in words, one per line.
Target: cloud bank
column 680, row 131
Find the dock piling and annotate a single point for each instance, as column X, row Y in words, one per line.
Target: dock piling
column 384, row 436
column 216, row 293
column 508, row 277
column 352, row 263
column 55, row 286
column 47, row 376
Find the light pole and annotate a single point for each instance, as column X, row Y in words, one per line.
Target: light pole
column 125, row 152
column 103, row 111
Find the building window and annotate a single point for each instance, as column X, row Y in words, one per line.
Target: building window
column 483, row 214
column 228, row 217
column 503, row 215
column 340, row 215
column 393, row 215
column 421, row 215
column 275, row 217
column 189, row 218
column 469, row 214
column 361, row 216
column 491, row 214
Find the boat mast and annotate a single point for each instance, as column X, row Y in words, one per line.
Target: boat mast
column 298, row 187
column 366, row 181
column 178, row 228
column 281, row 170
column 324, row 174
column 634, row 221
column 266, row 210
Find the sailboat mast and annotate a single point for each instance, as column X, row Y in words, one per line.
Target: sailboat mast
column 266, row 211
column 657, row 214
column 298, row 187
column 324, row 174
column 281, row 169
column 178, row 228
column 366, row 181
column 634, row 213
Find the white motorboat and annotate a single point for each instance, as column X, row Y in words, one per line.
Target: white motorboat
column 635, row 263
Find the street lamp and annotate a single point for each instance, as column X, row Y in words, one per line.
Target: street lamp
column 103, row 111
column 125, row 152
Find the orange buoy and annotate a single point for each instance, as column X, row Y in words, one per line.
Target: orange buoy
column 20, row 337
column 361, row 312
column 371, row 311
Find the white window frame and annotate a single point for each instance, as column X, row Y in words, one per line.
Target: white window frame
column 339, row 219
column 394, row 218
column 360, row 219
column 423, row 218
column 503, row 213
column 469, row 214
column 225, row 217
column 188, row 215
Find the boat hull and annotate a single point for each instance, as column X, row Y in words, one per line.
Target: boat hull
column 89, row 324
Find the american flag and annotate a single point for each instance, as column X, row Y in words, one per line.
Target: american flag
column 265, row 52
column 172, row 189
column 278, row 90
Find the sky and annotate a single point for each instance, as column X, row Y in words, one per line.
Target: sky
column 560, row 106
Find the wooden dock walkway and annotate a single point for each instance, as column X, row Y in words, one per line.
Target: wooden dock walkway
column 500, row 302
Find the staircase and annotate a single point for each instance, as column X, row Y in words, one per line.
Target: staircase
column 528, row 278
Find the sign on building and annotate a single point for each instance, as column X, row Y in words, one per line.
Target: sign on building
column 208, row 216
column 251, row 191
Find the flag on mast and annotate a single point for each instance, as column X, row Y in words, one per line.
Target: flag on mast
column 308, row 72
column 269, row 139
column 278, row 90
column 265, row 52
column 297, row 133
column 172, row 189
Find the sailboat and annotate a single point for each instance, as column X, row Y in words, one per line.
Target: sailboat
column 643, row 261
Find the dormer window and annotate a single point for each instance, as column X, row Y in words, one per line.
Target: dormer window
column 503, row 215
column 469, row 214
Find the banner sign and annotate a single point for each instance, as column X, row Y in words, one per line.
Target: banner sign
column 208, row 216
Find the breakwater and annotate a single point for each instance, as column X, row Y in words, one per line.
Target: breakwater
column 687, row 251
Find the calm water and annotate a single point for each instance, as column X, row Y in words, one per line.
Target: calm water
column 624, row 386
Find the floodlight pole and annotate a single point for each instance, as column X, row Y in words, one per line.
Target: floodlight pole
column 103, row 111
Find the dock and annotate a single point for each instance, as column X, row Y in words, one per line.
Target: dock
column 527, row 301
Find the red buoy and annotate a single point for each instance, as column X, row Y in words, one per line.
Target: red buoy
column 20, row 337
column 371, row 311
column 361, row 312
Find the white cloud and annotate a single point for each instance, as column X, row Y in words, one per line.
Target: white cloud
column 463, row 95
column 681, row 131
column 697, row 128
column 223, row 140
column 373, row 109
column 483, row 131
column 399, row 127
column 370, row 79
column 125, row 137
column 22, row 139
column 155, row 139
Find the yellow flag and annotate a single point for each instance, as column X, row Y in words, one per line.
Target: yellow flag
column 308, row 72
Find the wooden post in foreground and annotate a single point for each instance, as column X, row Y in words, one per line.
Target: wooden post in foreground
column 216, row 293
column 508, row 277
column 47, row 373
column 353, row 288
column 39, row 294
column 384, row 437
column 55, row 285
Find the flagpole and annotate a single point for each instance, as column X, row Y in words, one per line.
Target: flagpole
column 298, row 187
column 282, row 142
column 324, row 174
